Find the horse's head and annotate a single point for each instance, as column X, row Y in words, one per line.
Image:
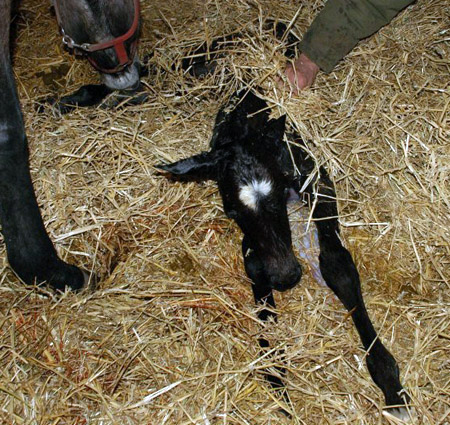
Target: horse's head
column 253, row 169
column 106, row 32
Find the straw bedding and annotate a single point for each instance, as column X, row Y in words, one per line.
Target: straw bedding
column 170, row 335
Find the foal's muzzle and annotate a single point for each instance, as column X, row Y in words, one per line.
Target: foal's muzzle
column 283, row 282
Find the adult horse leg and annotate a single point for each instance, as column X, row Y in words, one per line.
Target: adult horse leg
column 30, row 252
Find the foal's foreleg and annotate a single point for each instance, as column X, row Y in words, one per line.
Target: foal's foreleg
column 88, row 95
column 340, row 274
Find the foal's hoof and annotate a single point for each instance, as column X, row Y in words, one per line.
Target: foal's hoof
column 90, row 281
column 400, row 415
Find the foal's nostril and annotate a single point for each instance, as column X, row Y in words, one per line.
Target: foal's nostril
column 297, row 274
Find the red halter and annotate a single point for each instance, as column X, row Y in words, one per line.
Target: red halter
column 118, row 43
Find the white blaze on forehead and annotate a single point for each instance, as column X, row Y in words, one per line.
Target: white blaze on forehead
column 251, row 192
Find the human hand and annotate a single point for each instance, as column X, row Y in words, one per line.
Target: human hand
column 301, row 73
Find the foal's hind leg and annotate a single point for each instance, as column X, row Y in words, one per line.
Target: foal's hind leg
column 340, row 274
column 263, row 296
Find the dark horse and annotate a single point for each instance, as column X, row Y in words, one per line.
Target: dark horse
column 257, row 174
column 106, row 32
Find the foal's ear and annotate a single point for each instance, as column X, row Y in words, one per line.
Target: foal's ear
column 198, row 167
column 275, row 128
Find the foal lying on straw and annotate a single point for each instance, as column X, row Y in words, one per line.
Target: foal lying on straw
column 257, row 173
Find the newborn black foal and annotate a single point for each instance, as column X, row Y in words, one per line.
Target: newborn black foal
column 257, row 171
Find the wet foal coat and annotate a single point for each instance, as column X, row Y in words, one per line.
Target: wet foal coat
column 256, row 171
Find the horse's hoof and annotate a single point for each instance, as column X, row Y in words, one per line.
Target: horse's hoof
column 400, row 415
